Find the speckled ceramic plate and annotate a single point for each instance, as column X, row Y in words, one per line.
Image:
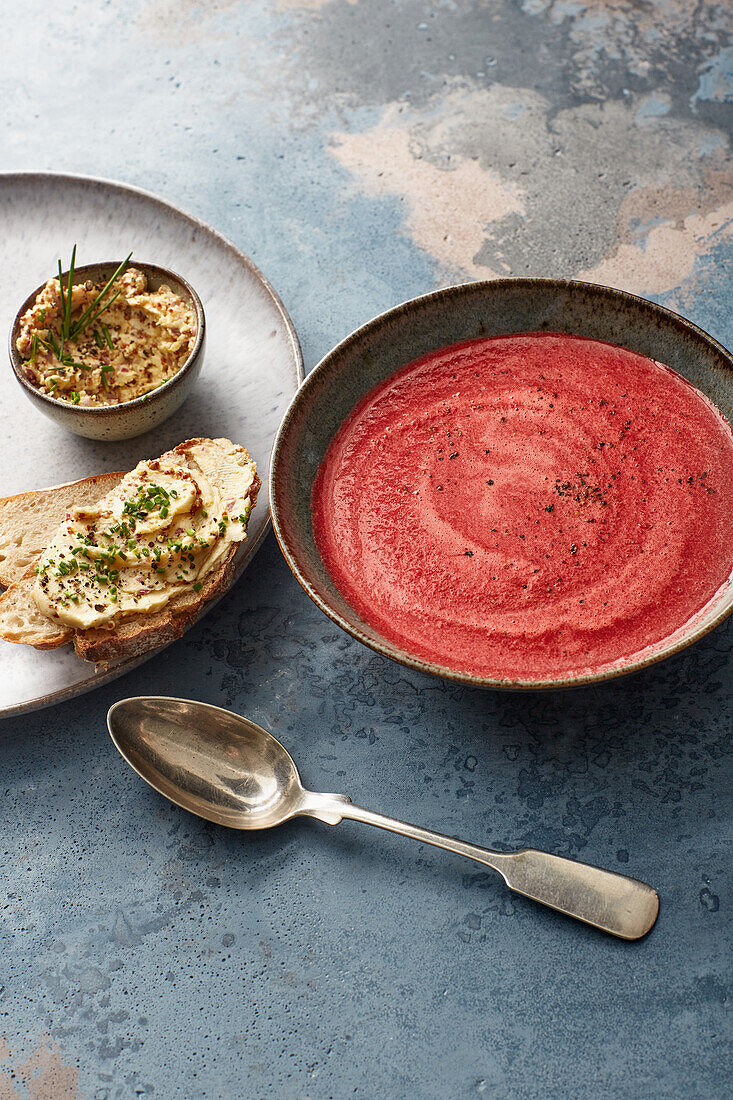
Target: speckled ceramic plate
column 253, row 367
column 415, row 328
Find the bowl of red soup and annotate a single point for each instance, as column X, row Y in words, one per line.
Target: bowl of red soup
column 523, row 483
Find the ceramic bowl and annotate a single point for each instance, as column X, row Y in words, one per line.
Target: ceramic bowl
column 129, row 418
column 379, row 348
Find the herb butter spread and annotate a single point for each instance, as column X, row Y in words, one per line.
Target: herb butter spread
column 139, row 341
column 168, row 524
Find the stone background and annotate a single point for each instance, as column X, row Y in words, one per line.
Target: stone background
column 364, row 152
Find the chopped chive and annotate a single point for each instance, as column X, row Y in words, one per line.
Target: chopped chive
column 95, row 317
column 107, row 336
column 66, row 302
column 63, row 302
column 89, row 314
column 69, row 287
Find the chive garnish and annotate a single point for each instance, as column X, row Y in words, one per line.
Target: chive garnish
column 89, row 315
column 66, row 302
column 63, row 307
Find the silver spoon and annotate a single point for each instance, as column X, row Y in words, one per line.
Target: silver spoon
column 228, row 770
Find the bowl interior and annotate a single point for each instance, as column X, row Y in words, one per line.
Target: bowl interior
column 156, row 276
column 449, row 316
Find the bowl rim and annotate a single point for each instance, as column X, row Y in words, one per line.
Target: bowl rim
column 146, row 399
column 389, row 649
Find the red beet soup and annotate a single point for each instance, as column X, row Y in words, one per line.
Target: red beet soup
column 529, row 507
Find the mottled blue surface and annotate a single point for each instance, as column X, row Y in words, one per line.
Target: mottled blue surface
column 147, row 953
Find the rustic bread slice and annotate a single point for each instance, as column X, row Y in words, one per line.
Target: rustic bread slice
column 28, row 521
column 21, row 621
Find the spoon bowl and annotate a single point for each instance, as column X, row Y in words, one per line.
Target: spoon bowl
column 209, row 761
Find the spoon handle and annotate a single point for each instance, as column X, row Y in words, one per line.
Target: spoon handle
column 614, row 903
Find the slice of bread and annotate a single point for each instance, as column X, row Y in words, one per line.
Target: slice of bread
column 28, row 520
column 20, row 619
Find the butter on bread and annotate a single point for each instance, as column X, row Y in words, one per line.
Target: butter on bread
column 30, row 522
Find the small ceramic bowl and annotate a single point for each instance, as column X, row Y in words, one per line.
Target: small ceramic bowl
column 129, row 418
column 379, row 348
